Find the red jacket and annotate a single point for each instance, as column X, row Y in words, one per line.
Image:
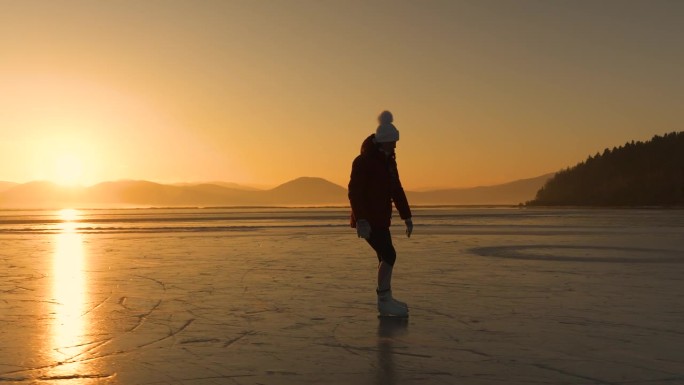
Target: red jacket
column 374, row 185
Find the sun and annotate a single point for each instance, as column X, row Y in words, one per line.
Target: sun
column 68, row 169
column 65, row 160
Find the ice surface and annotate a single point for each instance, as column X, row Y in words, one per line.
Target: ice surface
column 497, row 296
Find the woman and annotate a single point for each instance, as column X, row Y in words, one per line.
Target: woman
column 373, row 187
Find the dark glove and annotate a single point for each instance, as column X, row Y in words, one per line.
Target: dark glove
column 409, row 227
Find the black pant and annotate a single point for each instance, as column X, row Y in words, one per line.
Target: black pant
column 381, row 241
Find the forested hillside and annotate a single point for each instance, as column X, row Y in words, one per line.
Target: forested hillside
column 637, row 174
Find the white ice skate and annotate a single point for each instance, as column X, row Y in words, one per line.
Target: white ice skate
column 400, row 303
column 390, row 307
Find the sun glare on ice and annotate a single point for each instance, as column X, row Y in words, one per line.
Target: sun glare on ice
column 69, row 297
column 68, row 215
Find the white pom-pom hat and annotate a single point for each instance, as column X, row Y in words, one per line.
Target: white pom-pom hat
column 386, row 131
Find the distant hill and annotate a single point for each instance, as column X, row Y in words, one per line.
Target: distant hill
column 314, row 191
column 39, row 194
column 144, row 193
column 637, row 174
column 306, row 191
column 222, row 184
column 511, row 193
column 4, row 186
column 302, row 191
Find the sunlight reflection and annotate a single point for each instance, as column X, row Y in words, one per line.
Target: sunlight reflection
column 69, row 295
column 68, row 215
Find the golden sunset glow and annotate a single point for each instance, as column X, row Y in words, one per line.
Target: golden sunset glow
column 265, row 92
column 68, row 170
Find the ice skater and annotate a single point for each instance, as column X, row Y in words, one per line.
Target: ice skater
column 373, row 187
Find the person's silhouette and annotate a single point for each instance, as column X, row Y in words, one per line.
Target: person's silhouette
column 373, row 187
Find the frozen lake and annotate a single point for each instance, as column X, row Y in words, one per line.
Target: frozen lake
column 286, row 296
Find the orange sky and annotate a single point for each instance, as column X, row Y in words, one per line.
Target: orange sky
column 261, row 92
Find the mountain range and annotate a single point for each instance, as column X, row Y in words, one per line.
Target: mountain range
column 305, row 191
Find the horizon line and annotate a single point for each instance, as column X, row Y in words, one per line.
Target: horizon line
column 258, row 187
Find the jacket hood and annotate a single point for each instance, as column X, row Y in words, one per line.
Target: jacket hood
column 368, row 145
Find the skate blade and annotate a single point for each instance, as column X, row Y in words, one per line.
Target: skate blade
column 393, row 315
